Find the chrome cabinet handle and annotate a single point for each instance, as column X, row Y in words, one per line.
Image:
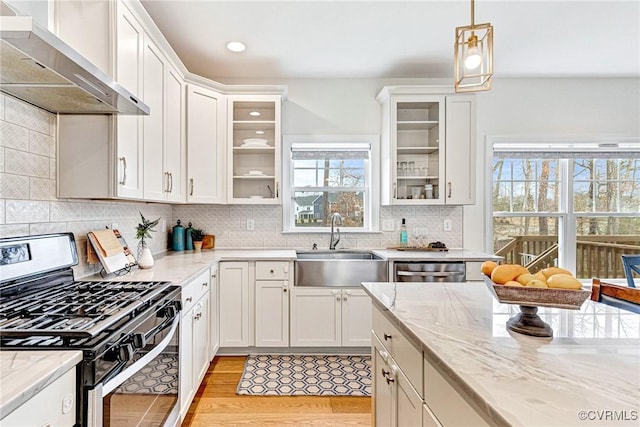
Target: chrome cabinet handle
column 189, row 299
column 205, row 284
column 384, row 373
column 277, row 189
column 123, row 159
column 170, row 182
column 191, row 191
column 449, row 185
column 166, row 182
column 387, row 337
column 395, row 190
column 389, row 379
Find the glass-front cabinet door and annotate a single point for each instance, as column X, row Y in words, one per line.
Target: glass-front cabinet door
column 417, row 154
column 254, row 155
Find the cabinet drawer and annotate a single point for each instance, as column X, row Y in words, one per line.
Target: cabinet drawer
column 407, row 356
column 449, row 407
column 194, row 290
column 272, row 270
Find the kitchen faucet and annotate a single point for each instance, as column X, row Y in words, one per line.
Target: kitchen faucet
column 335, row 217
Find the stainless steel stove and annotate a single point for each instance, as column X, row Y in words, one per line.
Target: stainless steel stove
column 123, row 329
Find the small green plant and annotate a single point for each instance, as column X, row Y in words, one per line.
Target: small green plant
column 144, row 229
column 197, row 234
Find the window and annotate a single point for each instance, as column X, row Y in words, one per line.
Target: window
column 324, row 175
column 567, row 203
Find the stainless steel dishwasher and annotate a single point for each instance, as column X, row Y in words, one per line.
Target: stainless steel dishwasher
column 421, row 271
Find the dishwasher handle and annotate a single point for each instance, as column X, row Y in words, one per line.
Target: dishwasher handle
column 430, row 273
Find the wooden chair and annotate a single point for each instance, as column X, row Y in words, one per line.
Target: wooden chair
column 631, row 264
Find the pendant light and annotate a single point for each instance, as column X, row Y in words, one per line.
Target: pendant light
column 473, row 56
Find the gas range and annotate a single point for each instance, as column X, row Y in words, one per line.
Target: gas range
column 123, row 328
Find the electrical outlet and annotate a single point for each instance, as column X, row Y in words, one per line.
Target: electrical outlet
column 388, row 225
column 447, row 225
column 250, row 225
column 163, row 226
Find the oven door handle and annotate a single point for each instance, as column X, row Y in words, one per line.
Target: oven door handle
column 116, row 381
column 429, row 273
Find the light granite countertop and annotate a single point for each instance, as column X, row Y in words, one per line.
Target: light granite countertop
column 24, row 373
column 450, row 255
column 591, row 365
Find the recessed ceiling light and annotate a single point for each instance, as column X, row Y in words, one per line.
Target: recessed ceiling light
column 260, row 132
column 254, row 113
column 236, row 46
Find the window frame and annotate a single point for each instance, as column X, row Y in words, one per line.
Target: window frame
column 371, row 188
column 567, row 237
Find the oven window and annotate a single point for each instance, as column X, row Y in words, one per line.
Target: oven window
column 150, row 395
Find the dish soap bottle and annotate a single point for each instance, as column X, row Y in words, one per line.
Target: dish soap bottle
column 404, row 236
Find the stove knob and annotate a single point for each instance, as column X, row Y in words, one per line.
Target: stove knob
column 125, row 352
column 138, row 340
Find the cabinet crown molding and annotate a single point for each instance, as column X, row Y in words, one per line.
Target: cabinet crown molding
column 388, row 91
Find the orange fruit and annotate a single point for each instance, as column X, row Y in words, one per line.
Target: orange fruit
column 487, row 267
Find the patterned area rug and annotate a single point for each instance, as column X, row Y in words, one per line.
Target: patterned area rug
column 306, row 375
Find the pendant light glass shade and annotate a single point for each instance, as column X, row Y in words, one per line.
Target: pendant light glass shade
column 473, row 56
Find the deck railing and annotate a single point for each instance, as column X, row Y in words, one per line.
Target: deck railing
column 596, row 256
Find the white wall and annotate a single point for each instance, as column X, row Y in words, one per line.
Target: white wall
column 547, row 107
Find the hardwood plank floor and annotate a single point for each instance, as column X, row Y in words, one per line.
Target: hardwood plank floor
column 217, row 404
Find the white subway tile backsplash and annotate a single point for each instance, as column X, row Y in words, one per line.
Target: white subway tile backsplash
column 2, row 220
column 21, row 163
column 42, row 189
column 14, row 186
column 42, row 144
column 14, row 230
column 14, row 136
column 1, row 106
column 52, row 169
column 27, row 115
column 26, row 211
column 65, row 211
column 47, row 227
column 1, row 159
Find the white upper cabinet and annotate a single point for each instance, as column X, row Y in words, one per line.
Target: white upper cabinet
column 428, row 136
column 153, row 133
column 254, row 144
column 174, row 161
column 205, row 145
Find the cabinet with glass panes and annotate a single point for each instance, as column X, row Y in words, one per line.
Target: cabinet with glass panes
column 427, row 146
column 254, row 154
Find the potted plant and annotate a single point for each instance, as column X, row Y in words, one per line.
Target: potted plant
column 197, row 234
column 143, row 231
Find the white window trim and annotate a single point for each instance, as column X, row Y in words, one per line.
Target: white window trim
column 372, row 217
column 567, row 226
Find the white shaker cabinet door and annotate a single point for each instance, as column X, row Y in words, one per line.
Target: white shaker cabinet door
column 460, row 183
column 234, row 304
column 356, row 318
column 205, row 145
column 272, row 313
column 307, row 306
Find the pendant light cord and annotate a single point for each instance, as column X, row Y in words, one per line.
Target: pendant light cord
column 473, row 23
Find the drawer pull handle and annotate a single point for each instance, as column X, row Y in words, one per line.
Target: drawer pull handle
column 189, row 299
column 389, row 380
column 384, row 373
column 285, row 289
column 271, row 271
column 205, row 284
column 387, row 337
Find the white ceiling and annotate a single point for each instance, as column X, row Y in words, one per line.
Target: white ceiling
column 398, row 39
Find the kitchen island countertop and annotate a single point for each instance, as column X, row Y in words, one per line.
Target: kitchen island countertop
column 588, row 374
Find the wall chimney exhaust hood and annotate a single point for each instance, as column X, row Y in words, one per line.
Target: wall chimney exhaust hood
column 39, row 68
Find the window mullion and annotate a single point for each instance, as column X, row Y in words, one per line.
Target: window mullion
column 567, row 239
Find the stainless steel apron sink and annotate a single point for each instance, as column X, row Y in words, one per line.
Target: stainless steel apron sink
column 339, row 268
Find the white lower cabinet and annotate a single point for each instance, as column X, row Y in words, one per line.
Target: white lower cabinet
column 194, row 338
column 408, row 390
column 396, row 403
column 234, row 304
column 214, row 299
column 272, row 313
column 55, row 405
column 345, row 317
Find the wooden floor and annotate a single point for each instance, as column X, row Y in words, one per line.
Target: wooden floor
column 217, row 404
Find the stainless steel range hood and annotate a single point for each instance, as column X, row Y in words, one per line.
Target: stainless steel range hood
column 39, row 68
